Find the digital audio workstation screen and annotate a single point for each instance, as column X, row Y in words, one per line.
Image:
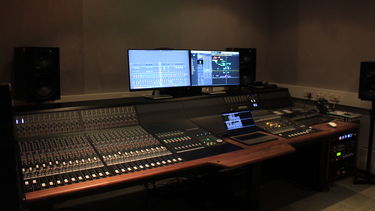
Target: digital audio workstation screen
column 215, row 68
column 239, row 120
column 150, row 69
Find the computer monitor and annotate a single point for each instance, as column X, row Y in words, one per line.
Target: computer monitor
column 215, row 68
column 157, row 69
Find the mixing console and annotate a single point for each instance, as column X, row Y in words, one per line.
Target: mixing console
column 51, row 162
column 242, row 102
column 205, row 137
column 179, row 141
column 130, row 149
column 52, row 123
column 109, row 117
column 44, row 124
column 188, row 140
column 283, row 126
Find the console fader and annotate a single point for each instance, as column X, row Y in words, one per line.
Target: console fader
column 130, row 149
column 188, row 140
column 56, row 161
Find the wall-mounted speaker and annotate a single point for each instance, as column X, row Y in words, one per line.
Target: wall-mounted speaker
column 36, row 74
column 247, row 65
column 367, row 81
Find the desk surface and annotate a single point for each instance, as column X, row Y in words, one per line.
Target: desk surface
column 248, row 155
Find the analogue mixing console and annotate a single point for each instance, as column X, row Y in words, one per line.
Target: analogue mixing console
column 282, row 126
column 44, row 124
column 131, row 149
column 56, row 161
column 109, row 117
column 188, row 140
column 61, row 148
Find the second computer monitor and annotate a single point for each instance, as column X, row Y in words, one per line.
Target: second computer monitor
column 215, row 68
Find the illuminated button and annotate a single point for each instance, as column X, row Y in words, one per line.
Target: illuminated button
column 163, row 162
column 27, row 183
column 87, row 176
column 80, row 178
column 179, row 159
column 34, row 181
column 123, row 170
column 66, row 180
column 73, row 179
column 129, row 169
column 174, row 160
column 93, row 175
column 141, row 166
column 158, row 163
column 43, row 184
column 152, row 164
column 101, row 174
column 50, row 183
column 135, row 167
column 58, row 182
column 64, row 163
column 169, row 161
column 37, row 166
column 117, row 171
column 147, row 166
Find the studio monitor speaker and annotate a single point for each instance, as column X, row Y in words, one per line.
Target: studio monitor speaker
column 367, row 81
column 247, row 65
column 37, row 73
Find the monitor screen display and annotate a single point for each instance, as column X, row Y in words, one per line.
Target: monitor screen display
column 239, row 122
column 152, row 69
column 215, row 68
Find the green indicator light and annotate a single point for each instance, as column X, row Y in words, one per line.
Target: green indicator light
column 338, row 154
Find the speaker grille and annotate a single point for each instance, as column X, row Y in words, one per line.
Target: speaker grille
column 37, row 74
column 247, row 65
column 367, row 81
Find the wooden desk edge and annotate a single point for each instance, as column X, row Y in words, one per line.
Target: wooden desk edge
column 244, row 156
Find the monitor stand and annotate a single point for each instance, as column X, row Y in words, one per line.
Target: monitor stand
column 212, row 92
column 157, row 96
